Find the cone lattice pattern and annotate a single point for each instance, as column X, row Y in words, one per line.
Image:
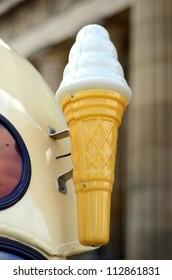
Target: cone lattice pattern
column 93, row 118
column 99, row 148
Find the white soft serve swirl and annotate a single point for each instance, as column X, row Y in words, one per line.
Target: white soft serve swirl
column 93, row 64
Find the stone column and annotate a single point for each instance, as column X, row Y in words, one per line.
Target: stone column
column 149, row 145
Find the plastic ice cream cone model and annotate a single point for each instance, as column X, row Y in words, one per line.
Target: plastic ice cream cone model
column 94, row 95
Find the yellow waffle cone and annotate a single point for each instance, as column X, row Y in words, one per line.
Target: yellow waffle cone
column 93, row 117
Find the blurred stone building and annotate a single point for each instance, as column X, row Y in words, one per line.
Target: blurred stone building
column 44, row 31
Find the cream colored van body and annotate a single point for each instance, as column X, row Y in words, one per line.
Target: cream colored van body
column 44, row 218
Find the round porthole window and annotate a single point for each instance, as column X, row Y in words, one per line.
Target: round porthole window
column 15, row 166
column 13, row 250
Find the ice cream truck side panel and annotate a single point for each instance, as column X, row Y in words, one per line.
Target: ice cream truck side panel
column 35, row 215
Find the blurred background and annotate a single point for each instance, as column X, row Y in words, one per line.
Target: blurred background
column 43, row 31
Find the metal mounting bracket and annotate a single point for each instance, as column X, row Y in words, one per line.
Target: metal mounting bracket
column 62, row 179
column 58, row 135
